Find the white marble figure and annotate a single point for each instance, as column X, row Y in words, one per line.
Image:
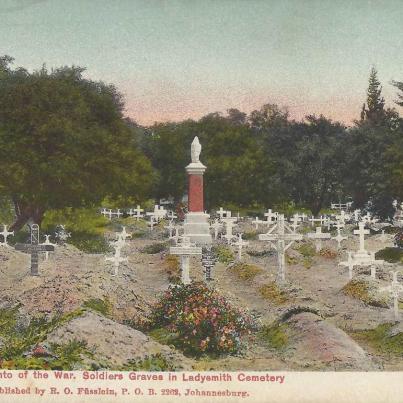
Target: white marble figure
column 195, row 150
column 170, row 227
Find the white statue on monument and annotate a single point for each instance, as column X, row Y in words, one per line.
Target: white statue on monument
column 195, row 150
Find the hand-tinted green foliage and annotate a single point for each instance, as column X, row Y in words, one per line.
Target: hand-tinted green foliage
column 65, row 142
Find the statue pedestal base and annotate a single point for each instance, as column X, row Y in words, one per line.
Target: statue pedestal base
column 197, row 228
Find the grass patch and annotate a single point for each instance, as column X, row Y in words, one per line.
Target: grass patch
column 224, row 254
column 154, row 248
column 274, row 336
column 361, row 290
column 18, row 338
column 380, row 339
column 246, row 271
column 306, row 250
column 391, row 255
column 103, row 306
column 153, row 362
column 259, row 253
column 163, row 336
column 250, row 235
column 272, row 292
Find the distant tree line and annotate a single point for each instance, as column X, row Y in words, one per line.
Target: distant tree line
column 65, row 142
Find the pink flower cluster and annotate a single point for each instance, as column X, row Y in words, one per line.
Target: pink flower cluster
column 202, row 319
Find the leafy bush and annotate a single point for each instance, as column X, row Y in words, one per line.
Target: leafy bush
column 391, row 255
column 18, row 338
column 245, row 271
column 154, row 362
column 328, row 253
column 272, row 292
column 201, row 320
column 103, row 306
column 224, row 254
column 154, row 248
column 90, row 243
column 361, row 289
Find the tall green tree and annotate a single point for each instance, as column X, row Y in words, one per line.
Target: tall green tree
column 64, row 142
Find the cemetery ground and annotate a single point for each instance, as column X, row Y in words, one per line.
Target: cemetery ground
column 77, row 315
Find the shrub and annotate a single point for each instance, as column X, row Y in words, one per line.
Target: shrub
column 90, row 243
column 201, row 320
column 273, row 293
column 224, row 254
column 328, row 253
column 246, row 271
column 154, row 248
column 391, row 255
column 103, row 306
column 361, row 289
column 274, row 336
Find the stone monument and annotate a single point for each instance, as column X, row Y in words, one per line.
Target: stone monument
column 196, row 225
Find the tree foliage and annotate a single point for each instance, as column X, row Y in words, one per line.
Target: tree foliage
column 64, row 142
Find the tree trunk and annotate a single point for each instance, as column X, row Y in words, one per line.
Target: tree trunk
column 26, row 214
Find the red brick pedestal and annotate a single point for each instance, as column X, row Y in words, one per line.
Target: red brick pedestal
column 196, row 225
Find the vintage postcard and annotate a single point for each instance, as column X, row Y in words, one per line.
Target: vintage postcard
column 201, row 201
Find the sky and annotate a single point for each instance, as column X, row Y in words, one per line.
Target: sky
column 179, row 59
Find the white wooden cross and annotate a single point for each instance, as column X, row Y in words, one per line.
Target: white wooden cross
column 185, row 249
column 257, row 222
column 383, row 237
column 136, row 212
column 5, row 234
column 302, row 217
column 350, row 264
column 47, row 242
column 361, row 232
column 318, row 235
column 109, row 213
column 343, row 217
column 104, row 212
column 171, row 215
column 339, row 238
column 240, row 243
column 280, row 237
column 116, row 259
column 118, row 213
column 216, row 225
column 295, row 222
column 152, row 220
column 222, row 213
column 170, row 227
column 320, row 220
column 271, row 217
column 395, row 289
column 229, row 225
